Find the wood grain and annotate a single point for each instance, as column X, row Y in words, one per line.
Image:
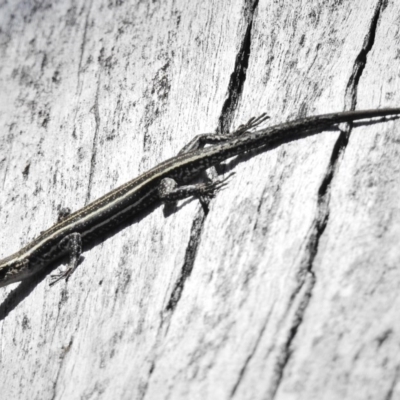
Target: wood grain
column 287, row 288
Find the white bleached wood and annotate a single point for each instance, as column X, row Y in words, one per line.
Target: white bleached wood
column 293, row 291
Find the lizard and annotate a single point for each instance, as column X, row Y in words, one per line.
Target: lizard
column 166, row 182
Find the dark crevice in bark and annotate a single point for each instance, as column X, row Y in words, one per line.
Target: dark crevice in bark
column 238, row 76
column 79, row 81
column 306, row 274
column 145, row 385
column 96, row 113
column 65, row 351
column 303, row 292
column 190, row 256
column 361, row 60
column 390, row 393
column 7, row 160
column 235, row 89
column 250, row 356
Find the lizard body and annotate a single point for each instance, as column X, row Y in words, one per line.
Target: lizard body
column 73, row 231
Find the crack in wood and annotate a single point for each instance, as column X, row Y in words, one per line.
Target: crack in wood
column 390, row 393
column 96, row 112
column 235, row 89
column 145, row 385
column 324, row 193
column 190, row 257
column 238, row 76
column 304, row 292
column 251, row 355
column 64, row 352
column 361, row 59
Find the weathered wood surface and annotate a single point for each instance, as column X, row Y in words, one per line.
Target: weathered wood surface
column 288, row 287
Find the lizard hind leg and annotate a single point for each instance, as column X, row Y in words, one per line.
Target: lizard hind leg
column 72, row 244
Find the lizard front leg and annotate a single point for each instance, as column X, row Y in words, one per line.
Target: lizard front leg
column 72, row 244
column 169, row 191
column 203, row 139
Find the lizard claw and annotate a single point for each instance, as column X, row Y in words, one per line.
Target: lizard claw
column 251, row 124
column 211, row 189
column 62, row 275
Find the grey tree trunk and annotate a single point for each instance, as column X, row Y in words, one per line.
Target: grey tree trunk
column 288, row 286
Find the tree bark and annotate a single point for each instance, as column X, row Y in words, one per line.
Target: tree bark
column 287, row 286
